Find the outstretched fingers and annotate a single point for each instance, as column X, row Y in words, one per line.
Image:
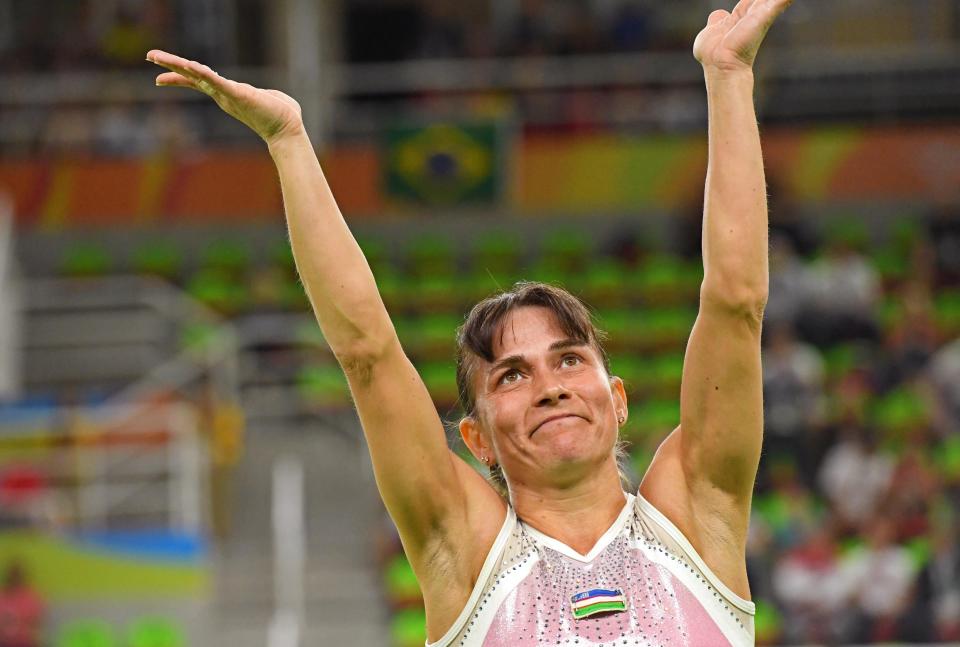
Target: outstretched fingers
column 742, row 8
column 189, row 74
column 717, row 16
column 175, row 79
column 773, row 8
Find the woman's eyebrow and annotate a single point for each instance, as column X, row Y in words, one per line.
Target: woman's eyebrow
column 513, row 360
column 567, row 343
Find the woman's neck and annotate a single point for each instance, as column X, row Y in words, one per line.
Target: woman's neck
column 576, row 515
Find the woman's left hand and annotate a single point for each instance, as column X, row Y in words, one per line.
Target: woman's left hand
column 730, row 40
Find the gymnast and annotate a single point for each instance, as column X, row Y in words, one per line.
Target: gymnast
column 549, row 548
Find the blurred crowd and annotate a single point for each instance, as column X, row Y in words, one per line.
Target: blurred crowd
column 117, row 114
column 854, row 536
column 50, row 51
column 533, row 28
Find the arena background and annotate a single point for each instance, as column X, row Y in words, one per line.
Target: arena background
column 179, row 460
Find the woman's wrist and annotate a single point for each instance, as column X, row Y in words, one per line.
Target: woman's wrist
column 714, row 73
column 288, row 138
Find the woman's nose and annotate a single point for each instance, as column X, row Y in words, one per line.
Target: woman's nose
column 553, row 393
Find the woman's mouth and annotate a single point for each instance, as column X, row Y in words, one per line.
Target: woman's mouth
column 553, row 419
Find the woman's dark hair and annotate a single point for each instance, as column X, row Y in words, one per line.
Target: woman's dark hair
column 476, row 336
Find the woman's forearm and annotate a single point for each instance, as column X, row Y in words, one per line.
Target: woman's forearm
column 335, row 274
column 735, row 200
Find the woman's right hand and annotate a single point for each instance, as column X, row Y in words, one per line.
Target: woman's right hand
column 270, row 113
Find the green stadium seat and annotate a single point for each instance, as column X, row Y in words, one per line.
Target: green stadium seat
column 605, row 284
column 323, row 386
column 292, row 294
column 435, row 336
column 155, row 632
column 499, row 252
column 308, row 333
column 86, row 633
column 631, row 369
column 393, row 288
column 768, row 622
column 158, row 258
column 657, row 417
column 569, row 249
column 227, row 255
column 440, row 378
column 400, row 582
column 435, row 292
column 482, row 282
column 85, row 260
column 551, row 271
column 890, row 311
column 667, row 371
column 946, row 306
column 666, row 328
column 281, row 254
column 640, row 456
column 898, row 412
column 197, row 337
column 919, row 549
column 840, row 359
column 218, row 289
column 621, row 328
column 408, row 628
column 947, row 458
column 849, row 230
column 891, row 263
column 431, row 255
column 663, row 279
column 376, row 253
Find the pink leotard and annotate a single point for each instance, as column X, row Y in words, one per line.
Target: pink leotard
column 523, row 594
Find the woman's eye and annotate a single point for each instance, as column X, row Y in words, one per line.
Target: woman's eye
column 510, row 376
column 571, row 360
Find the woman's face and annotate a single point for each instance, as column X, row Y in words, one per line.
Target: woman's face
column 546, row 409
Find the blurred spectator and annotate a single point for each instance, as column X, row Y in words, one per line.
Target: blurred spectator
column 845, row 289
column 174, row 128
column 793, row 377
column 939, row 582
column 789, row 283
column 631, row 28
column 787, row 507
column 855, row 476
column 879, row 579
column 139, row 26
column 944, row 372
column 222, row 423
column 913, row 486
column 68, row 130
column 535, row 30
column 808, row 583
column 121, row 130
column 945, row 234
column 21, row 609
column 911, row 340
column 443, row 33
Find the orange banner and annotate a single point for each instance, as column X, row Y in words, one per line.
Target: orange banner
column 557, row 174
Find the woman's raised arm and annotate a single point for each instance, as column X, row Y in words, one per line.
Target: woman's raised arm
column 403, row 430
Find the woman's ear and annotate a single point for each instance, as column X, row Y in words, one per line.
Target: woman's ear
column 619, row 398
column 475, row 440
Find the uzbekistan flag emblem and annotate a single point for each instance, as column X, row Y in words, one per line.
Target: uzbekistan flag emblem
column 594, row 601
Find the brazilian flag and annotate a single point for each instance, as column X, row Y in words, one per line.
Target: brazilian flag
column 442, row 164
